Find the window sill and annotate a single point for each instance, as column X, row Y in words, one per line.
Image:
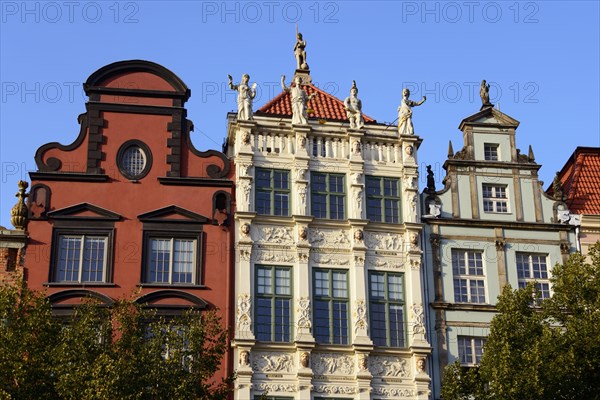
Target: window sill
column 77, row 284
column 170, row 286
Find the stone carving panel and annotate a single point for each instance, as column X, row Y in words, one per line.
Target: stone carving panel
column 389, row 366
column 275, row 256
column 383, row 241
column 330, row 258
column 361, row 316
column 332, row 364
column 244, row 321
column 334, row 389
column 273, row 234
column 304, row 313
column 385, row 263
column 272, row 362
column 328, row 238
column 275, row 387
column 394, row 392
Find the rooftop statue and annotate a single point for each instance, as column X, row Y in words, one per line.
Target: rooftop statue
column 484, row 93
column 353, row 107
column 300, row 52
column 405, row 125
column 245, row 97
column 299, row 100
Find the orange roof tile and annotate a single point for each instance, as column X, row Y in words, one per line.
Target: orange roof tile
column 323, row 106
column 580, row 178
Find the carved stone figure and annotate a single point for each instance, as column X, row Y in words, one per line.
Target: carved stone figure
column 300, row 52
column 363, row 362
column 243, row 312
column 303, row 310
column 484, row 93
column 409, row 150
column 557, row 187
column 245, row 96
column 359, row 202
column 301, row 141
column 19, row 211
column 244, row 358
column 302, row 190
column 245, row 229
column 405, row 125
column 356, row 147
column 305, row 359
column 361, row 316
column 303, row 232
column 353, row 107
column 356, row 178
column 246, row 138
column 430, row 180
column 299, row 100
column 272, row 362
column 358, row 235
column 421, row 364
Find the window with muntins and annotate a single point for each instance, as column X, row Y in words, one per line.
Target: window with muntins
column 494, row 198
column 386, row 305
column 171, row 260
column 273, row 303
column 470, row 350
column 81, row 258
column 328, row 195
column 490, row 152
column 469, row 280
column 533, row 268
column 330, row 291
column 272, row 192
column 383, row 199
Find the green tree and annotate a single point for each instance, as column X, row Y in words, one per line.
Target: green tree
column 99, row 353
column 540, row 350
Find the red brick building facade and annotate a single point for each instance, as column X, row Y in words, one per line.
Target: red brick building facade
column 131, row 206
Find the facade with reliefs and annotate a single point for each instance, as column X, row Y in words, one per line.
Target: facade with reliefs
column 492, row 224
column 328, row 271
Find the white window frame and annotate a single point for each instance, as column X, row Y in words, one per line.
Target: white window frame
column 495, row 200
column 491, row 146
column 542, row 283
column 473, row 280
column 194, row 258
column 81, row 238
column 474, row 343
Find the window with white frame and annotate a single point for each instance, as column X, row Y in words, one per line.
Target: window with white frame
column 495, row 198
column 81, row 258
column 469, row 279
column 470, row 350
column 171, row 260
column 490, row 151
column 532, row 267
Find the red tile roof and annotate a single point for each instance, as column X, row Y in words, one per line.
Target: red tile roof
column 580, row 178
column 323, row 106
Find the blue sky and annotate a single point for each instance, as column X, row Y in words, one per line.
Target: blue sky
column 541, row 58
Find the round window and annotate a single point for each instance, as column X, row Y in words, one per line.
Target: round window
column 134, row 160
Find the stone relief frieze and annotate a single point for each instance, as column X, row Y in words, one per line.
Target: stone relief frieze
column 394, row 392
column 383, row 263
column 274, row 234
column 389, row 366
column 274, row 256
column 328, row 238
column 330, row 258
column 334, row 389
column 331, row 363
column 275, row 387
column 383, row 241
column 272, row 362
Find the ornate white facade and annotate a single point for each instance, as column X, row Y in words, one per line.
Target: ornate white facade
column 301, row 366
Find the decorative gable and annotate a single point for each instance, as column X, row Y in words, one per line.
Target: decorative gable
column 84, row 211
column 173, row 214
column 489, row 116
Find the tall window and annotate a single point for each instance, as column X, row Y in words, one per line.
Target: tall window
column 273, row 303
column 330, row 290
column 383, row 199
column 171, row 260
column 490, row 151
column 470, row 350
column 272, row 192
column 494, row 198
column 533, row 268
column 328, row 195
column 387, row 309
column 81, row 258
column 469, row 280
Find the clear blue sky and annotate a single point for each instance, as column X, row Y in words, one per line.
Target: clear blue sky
column 541, row 57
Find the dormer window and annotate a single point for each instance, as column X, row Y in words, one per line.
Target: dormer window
column 494, row 198
column 490, row 151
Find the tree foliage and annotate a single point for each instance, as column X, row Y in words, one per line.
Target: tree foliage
column 99, row 353
column 540, row 350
